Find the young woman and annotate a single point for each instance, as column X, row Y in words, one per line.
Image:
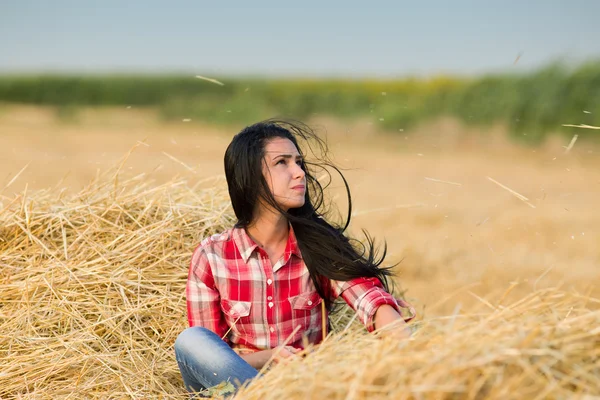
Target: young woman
column 257, row 290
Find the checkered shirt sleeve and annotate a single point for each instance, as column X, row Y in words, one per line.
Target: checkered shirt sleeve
column 203, row 299
column 365, row 296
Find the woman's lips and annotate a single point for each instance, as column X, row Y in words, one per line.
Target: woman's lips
column 299, row 187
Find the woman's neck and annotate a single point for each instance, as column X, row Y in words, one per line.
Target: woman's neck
column 269, row 230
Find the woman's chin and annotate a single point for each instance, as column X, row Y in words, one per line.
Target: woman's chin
column 292, row 205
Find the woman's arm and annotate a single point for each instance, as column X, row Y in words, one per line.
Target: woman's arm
column 259, row 359
column 368, row 297
column 387, row 314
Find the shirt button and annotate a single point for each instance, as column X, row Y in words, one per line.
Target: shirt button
column 272, row 329
column 269, row 298
column 270, row 304
column 269, row 281
column 310, row 303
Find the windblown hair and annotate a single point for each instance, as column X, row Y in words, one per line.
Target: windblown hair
column 326, row 251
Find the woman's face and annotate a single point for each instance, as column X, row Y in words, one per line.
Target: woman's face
column 283, row 174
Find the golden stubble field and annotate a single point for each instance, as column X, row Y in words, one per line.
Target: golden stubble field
column 430, row 193
column 497, row 245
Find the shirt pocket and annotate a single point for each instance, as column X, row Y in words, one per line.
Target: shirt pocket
column 235, row 309
column 305, row 301
column 306, row 313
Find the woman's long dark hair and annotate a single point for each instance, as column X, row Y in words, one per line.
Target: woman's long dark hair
column 326, row 251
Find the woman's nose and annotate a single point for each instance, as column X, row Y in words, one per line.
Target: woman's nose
column 298, row 172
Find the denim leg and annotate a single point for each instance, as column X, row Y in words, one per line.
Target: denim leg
column 205, row 360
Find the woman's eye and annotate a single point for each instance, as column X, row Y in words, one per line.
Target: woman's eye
column 282, row 161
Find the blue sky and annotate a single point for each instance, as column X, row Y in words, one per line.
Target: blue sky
column 310, row 38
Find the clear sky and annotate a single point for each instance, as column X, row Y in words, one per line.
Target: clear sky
column 316, row 38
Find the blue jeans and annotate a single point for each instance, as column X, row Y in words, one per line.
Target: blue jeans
column 205, row 360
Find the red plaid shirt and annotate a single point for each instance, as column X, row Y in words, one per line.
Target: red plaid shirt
column 234, row 291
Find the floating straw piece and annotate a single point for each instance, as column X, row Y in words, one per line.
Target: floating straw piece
column 323, row 319
column 210, row 80
column 517, row 195
column 178, row 161
column 16, row 176
column 440, row 181
column 582, row 126
column 570, row 146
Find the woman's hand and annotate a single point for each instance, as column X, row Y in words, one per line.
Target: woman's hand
column 386, row 315
column 284, row 354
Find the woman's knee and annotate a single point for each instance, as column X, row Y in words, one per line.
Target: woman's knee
column 192, row 337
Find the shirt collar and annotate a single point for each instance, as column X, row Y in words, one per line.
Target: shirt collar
column 246, row 245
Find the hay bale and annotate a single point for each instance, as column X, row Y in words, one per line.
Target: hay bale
column 93, row 299
column 546, row 345
column 93, row 287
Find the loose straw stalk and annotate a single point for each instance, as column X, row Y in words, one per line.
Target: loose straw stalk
column 517, row 195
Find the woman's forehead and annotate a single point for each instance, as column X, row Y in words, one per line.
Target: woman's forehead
column 281, row 145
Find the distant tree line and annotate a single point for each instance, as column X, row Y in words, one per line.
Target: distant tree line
column 534, row 103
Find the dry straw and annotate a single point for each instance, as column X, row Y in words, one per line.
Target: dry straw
column 93, row 299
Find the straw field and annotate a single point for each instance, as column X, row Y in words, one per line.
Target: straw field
column 497, row 243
